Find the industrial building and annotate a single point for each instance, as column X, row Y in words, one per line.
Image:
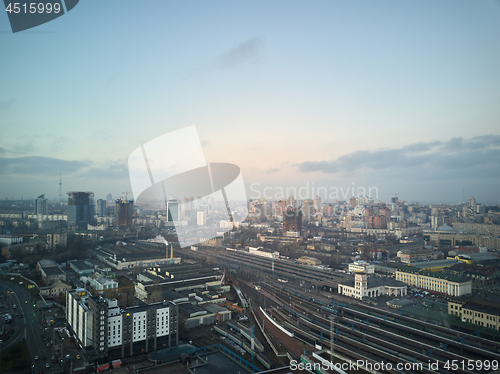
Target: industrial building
column 106, row 331
column 434, row 281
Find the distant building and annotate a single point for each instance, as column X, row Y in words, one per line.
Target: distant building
column 54, row 240
column 292, row 221
column 361, row 267
column 41, row 207
column 172, row 210
column 8, row 240
column 100, row 206
column 260, row 251
column 80, row 209
column 365, row 286
column 307, row 208
column 200, row 218
column 309, row 260
column 434, row 281
column 124, row 212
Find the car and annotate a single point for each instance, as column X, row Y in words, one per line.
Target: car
column 78, row 357
column 36, row 358
column 48, row 344
column 47, row 365
column 44, row 358
column 53, row 358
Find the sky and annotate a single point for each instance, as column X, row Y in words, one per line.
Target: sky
column 400, row 97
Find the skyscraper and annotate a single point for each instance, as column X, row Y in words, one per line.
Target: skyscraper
column 172, row 210
column 41, row 207
column 100, row 207
column 80, row 209
column 124, row 211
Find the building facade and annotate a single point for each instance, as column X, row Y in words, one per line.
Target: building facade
column 479, row 311
column 361, row 267
column 364, row 286
column 434, row 281
column 105, row 330
column 80, row 209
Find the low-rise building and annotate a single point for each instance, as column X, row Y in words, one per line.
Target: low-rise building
column 361, row 267
column 482, row 311
column 438, row 282
column 57, row 288
column 309, row 260
column 366, row 286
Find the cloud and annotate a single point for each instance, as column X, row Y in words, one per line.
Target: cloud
column 272, row 170
column 241, row 53
column 39, row 166
column 456, row 154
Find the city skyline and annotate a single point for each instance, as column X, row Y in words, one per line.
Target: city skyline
column 401, row 97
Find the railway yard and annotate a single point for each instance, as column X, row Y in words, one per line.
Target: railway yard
column 297, row 310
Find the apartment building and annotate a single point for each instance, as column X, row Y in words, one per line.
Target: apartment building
column 105, row 330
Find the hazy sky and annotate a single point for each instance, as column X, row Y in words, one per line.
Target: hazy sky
column 401, row 96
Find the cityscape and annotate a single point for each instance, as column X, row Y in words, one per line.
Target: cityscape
column 241, row 187
column 90, row 285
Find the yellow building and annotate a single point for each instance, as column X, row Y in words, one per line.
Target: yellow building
column 434, row 281
column 479, row 311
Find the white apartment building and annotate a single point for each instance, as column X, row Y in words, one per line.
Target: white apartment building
column 361, row 267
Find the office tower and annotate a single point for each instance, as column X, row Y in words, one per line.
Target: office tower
column 172, row 210
column 101, row 207
column 41, row 207
column 124, row 211
column 109, row 198
column 292, row 221
column 394, row 200
column 80, row 209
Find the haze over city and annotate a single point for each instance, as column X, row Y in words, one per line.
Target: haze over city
column 398, row 96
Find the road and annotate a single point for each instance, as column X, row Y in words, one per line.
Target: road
column 29, row 326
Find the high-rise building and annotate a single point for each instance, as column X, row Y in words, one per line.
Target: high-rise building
column 80, row 209
column 292, row 221
column 41, row 207
column 100, row 206
column 109, row 198
column 307, row 207
column 124, row 212
column 172, row 210
column 352, row 202
column 318, row 205
column 472, row 202
column 105, row 330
